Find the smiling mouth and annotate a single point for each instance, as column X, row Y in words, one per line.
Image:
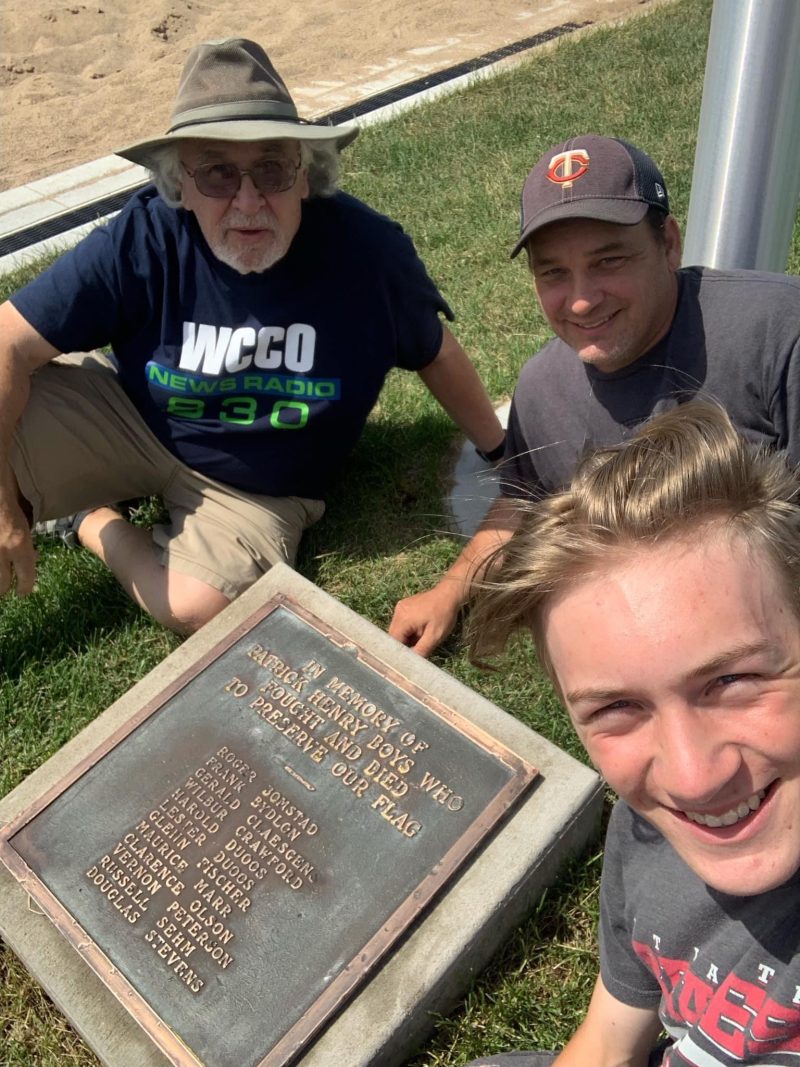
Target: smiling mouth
column 728, row 818
column 593, row 325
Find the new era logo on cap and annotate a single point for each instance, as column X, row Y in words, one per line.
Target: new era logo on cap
column 590, row 177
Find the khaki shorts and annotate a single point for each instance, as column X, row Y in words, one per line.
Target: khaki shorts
column 81, row 443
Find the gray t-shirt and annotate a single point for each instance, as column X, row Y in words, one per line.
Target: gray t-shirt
column 724, row 971
column 735, row 338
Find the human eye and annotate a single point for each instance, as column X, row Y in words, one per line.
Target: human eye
column 724, row 681
column 734, row 685
column 270, row 167
column 274, row 175
column 548, row 273
column 613, row 707
column 612, row 262
column 599, row 716
column 220, row 171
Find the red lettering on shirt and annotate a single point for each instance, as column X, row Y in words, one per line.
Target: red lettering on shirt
column 738, row 1016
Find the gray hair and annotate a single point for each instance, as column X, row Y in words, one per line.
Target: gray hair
column 320, row 159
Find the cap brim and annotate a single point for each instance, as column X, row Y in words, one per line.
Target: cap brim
column 242, row 130
column 623, row 212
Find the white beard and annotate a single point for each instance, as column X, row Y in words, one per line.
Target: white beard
column 259, row 258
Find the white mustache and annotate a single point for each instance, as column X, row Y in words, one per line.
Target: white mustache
column 265, row 220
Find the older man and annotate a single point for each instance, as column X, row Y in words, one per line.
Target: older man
column 635, row 335
column 253, row 314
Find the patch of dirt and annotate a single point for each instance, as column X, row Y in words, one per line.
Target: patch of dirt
column 80, row 80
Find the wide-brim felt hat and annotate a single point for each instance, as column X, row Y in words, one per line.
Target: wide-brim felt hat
column 230, row 91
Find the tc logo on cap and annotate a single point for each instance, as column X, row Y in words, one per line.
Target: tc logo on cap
column 567, row 167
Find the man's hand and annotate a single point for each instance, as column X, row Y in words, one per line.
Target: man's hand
column 424, row 620
column 17, row 554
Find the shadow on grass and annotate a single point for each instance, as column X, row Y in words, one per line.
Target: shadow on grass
column 388, row 495
column 75, row 603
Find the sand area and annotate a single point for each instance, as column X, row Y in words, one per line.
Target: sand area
column 81, row 79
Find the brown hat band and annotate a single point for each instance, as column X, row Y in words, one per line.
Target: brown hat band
column 243, row 109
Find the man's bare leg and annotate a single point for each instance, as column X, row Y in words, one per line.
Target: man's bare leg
column 176, row 600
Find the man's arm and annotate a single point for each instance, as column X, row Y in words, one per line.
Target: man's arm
column 22, row 351
column 454, row 382
column 613, row 1034
column 424, row 620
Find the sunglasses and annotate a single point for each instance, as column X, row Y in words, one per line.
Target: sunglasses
column 224, row 180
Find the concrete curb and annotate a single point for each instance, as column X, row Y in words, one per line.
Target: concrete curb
column 47, row 204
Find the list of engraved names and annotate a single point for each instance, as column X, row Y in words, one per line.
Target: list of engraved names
column 185, row 874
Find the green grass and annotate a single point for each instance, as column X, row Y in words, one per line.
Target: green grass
column 451, row 172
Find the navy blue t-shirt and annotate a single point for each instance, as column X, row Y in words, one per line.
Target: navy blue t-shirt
column 262, row 381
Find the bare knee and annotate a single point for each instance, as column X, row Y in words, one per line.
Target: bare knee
column 190, row 605
column 176, row 600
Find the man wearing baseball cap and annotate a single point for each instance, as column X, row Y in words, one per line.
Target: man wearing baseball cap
column 253, row 313
column 636, row 334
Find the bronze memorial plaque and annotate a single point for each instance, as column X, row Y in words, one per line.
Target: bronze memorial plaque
column 238, row 857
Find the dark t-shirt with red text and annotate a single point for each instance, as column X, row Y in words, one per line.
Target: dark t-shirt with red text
column 723, row 971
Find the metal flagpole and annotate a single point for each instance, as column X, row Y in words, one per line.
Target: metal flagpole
column 746, row 177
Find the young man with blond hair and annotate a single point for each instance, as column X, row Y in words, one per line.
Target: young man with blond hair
column 662, row 590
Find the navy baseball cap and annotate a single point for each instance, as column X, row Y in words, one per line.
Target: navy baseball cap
column 590, row 177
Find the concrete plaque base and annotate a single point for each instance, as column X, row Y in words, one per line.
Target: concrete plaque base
column 390, row 1008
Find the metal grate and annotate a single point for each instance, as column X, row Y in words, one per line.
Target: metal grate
column 98, row 209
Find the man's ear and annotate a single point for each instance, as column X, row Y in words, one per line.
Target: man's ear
column 672, row 242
